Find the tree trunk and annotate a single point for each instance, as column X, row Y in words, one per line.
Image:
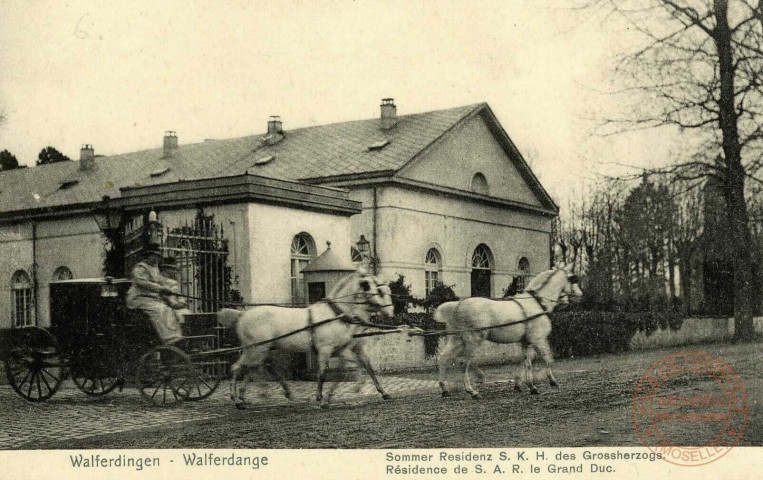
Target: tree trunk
column 684, row 271
column 672, row 278
column 734, row 178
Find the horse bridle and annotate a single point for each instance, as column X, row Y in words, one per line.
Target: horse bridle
column 374, row 307
column 572, row 279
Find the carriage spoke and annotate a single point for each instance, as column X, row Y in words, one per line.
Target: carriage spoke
column 156, row 391
column 201, row 379
column 39, row 387
column 31, row 383
column 44, row 381
column 55, row 378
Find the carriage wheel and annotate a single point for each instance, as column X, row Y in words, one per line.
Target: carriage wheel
column 35, row 371
column 206, row 380
column 165, row 375
column 95, row 386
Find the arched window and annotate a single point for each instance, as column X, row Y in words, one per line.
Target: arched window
column 21, row 299
column 432, row 270
column 62, row 273
column 479, row 184
column 524, row 273
column 302, row 251
column 482, row 265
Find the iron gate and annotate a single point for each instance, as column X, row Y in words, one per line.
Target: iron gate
column 199, row 251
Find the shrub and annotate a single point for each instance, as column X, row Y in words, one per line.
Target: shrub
column 583, row 333
column 440, row 294
column 401, row 295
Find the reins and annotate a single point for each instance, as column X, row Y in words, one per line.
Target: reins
column 476, row 329
column 333, row 304
column 311, row 326
column 271, row 304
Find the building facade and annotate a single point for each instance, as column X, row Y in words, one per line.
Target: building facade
column 466, row 211
column 440, row 197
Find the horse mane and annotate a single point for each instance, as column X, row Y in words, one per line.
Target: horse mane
column 539, row 280
column 341, row 284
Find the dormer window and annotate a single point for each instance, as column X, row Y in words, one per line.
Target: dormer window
column 264, row 160
column 378, row 145
column 479, row 184
column 68, row 184
column 160, row 172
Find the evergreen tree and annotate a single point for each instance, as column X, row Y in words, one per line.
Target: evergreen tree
column 50, row 155
column 8, row 161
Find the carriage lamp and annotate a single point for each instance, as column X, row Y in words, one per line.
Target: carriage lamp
column 107, row 218
column 364, row 248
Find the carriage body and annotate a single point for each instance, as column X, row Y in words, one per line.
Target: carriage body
column 101, row 344
column 96, row 333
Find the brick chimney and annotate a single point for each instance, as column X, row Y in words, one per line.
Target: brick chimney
column 86, row 157
column 275, row 125
column 170, row 143
column 388, row 113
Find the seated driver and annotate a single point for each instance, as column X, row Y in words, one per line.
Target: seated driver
column 169, row 270
column 148, row 293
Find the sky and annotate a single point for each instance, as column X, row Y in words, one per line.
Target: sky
column 118, row 76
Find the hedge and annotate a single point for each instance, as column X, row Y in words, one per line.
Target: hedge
column 583, row 333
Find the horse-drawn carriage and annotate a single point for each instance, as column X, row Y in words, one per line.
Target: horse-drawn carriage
column 101, row 345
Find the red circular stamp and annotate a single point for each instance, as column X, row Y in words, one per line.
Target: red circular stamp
column 690, row 408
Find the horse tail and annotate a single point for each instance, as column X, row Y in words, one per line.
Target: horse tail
column 228, row 317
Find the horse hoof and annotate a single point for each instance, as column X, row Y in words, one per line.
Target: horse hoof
column 554, row 384
column 386, row 396
column 476, row 396
column 241, row 406
column 445, row 394
column 517, row 388
column 324, row 405
column 534, row 391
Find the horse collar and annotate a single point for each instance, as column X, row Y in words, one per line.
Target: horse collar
column 339, row 313
column 334, row 307
column 537, row 299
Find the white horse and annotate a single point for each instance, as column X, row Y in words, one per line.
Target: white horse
column 521, row 319
column 329, row 327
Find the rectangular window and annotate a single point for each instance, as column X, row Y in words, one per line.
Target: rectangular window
column 431, row 278
column 297, row 281
column 22, row 307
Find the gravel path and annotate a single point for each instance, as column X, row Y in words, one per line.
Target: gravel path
column 593, row 407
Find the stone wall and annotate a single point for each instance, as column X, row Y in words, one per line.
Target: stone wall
column 693, row 331
column 401, row 352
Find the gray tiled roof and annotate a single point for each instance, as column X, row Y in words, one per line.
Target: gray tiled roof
column 304, row 153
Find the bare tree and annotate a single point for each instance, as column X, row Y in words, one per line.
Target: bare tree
column 685, row 234
column 700, row 68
